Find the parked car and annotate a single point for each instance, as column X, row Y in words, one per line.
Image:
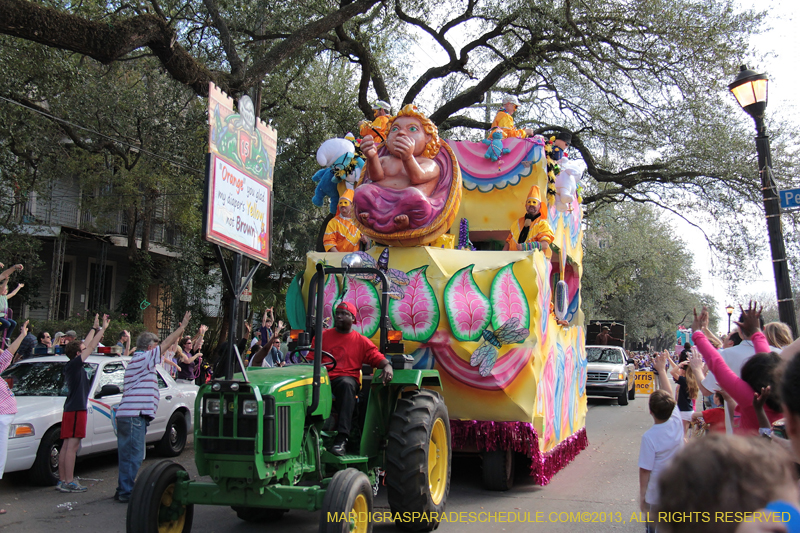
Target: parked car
column 610, row 372
column 40, row 390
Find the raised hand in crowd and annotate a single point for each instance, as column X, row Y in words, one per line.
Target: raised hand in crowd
column 696, row 362
column 750, row 323
column 23, row 331
column 94, row 336
column 700, row 321
column 660, row 365
column 759, row 399
column 6, row 273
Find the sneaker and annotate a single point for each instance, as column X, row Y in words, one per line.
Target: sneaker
column 72, row 486
column 58, row 485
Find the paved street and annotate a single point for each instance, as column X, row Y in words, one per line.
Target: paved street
column 603, row 479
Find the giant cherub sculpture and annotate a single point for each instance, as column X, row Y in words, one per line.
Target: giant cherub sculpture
column 402, row 179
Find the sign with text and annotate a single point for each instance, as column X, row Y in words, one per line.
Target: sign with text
column 790, row 199
column 645, row 382
column 239, row 177
column 239, row 211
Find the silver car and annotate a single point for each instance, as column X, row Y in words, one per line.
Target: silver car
column 609, row 372
column 39, row 387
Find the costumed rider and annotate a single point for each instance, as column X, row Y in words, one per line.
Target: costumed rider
column 341, row 234
column 351, row 350
column 504, row 120
column 533, row 231
column 377, row 128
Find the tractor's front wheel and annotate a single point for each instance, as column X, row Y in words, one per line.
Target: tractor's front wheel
column 419, row 458
column 152, row 509
column 347, row 506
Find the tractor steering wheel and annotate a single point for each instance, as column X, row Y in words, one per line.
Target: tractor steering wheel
column 330, row 364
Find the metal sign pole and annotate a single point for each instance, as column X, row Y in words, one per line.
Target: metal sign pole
column 236, row 290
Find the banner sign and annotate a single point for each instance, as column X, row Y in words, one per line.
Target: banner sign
column 645, row 382
column 239, row 174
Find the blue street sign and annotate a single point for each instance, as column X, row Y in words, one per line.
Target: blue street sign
column 790, row 199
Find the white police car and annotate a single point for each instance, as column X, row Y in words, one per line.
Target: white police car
column 39, row 387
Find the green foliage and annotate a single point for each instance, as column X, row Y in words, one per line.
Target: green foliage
column 638, row 271
column 139, row 278
column 18, row 248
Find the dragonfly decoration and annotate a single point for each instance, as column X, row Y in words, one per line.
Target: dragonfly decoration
column 397, row 278
column 486, row 355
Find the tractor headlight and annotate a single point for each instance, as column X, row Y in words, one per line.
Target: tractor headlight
column 250, row 407
column 212, row 406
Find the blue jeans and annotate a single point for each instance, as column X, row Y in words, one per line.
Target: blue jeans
column 131, row 449
column 9, row 325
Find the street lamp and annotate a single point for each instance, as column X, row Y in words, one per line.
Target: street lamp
column 750, row 90
column 729, row 310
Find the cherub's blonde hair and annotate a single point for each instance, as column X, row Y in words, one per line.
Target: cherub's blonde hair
column 410, row 110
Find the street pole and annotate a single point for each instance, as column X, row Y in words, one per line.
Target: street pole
column 729, row 324
column 772, row 210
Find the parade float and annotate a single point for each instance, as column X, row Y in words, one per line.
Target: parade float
column 503, row 328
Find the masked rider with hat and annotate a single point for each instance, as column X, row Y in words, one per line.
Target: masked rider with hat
column 341, row 234
column 351, row 350
column 532, row 231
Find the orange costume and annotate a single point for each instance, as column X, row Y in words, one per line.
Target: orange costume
column 378, row 125
column 341, row 232
column 539, row 230
column 378, row 128
column 505, row 123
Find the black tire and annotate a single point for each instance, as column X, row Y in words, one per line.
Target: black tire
column 498, row 470
column 632, row 393
column 622, row 399
column 174, row 440
column 419, row 421
column 152, row 492
column 349, row 491
column 259, row 514
column 45, row 467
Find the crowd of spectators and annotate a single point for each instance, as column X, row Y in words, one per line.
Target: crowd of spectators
column 739, row 455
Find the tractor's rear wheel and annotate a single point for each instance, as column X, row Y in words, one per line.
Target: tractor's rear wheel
column 151, row 509
column 258, row 514
column 498, row 470
column 419, row 458
column 347, row 506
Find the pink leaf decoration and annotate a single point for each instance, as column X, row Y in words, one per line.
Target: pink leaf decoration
column 331, row 295
column 364, row 297
column 508, row 299
column 417, row 314
column 467, row 307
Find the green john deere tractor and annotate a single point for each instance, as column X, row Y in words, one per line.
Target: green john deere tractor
column 260, row 437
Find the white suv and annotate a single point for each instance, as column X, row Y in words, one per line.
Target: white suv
column 609, row 372
column 40, row 390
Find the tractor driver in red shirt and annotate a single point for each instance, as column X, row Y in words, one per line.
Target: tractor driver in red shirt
column 351, row 350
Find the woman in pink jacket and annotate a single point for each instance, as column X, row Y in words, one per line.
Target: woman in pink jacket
column 758, row 372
